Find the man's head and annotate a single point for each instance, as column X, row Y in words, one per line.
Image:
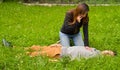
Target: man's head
column 108, row 52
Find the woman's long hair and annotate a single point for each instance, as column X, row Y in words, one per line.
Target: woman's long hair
column 81, row 9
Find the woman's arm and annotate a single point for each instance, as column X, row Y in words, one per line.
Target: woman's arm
column 85, row 31
column 68, row 27
column 69, row 20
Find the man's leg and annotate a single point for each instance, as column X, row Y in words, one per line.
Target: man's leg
column 34, row 48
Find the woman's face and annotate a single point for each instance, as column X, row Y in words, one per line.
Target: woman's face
column 83, row 15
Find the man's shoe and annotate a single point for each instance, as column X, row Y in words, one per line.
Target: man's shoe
column 6, row 43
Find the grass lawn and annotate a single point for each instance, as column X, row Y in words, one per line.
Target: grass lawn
column 25, row 26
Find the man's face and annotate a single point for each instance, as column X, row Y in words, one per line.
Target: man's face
column 108, row 52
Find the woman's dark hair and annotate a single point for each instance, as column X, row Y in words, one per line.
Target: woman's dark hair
column 81, row 9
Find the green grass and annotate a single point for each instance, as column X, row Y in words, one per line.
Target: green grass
column 25, row 26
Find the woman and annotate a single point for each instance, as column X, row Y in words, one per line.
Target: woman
column 74, row 20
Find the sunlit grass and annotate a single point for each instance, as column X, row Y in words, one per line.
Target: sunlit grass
column 28, row 25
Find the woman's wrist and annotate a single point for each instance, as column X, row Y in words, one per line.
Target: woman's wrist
column 86, row 46
column 79, row 21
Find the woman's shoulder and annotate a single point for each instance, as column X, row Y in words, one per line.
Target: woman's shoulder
column 70, row 11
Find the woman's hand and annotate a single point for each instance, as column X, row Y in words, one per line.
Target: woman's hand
column 79, row 18
column 86, row 46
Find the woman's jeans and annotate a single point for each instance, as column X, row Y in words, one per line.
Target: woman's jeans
column 65, row 39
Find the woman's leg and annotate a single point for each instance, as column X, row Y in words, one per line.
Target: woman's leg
column 64, row 39
column 77, row 39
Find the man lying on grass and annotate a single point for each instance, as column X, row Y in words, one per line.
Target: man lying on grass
column 57, row 51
